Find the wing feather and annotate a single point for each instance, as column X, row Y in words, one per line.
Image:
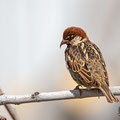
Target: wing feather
column 101, row 60
column 77, row 63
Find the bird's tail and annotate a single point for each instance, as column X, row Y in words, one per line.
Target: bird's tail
column 108, row 94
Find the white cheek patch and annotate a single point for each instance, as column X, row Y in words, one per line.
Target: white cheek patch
column 76, row 40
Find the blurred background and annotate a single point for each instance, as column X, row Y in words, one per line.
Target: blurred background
column 31, row 59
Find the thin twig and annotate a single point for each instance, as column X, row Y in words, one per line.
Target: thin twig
column 2, row 118
column 12, row 112
column 10, row 109
column 51, row 96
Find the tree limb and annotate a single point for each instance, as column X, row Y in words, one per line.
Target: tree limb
column 10, row 110
column 51, row 96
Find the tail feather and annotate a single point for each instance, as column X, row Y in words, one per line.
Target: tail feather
column 108, row 94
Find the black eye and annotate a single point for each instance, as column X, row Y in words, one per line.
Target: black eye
column 70, row 38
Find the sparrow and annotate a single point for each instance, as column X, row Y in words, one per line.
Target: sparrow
column 85, row 62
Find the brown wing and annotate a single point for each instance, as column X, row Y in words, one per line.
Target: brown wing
column 76, row 61
column 101, row 60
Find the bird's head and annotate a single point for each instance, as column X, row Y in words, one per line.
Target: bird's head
column 73, row 35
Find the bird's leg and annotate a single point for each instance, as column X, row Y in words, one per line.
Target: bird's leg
column 77, row 88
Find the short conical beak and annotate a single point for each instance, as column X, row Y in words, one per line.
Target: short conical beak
column 64, row 42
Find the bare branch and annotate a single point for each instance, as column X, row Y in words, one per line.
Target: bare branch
column 2, row 118
column 51, row 96
column 10, row 110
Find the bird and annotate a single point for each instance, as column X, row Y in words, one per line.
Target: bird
column 85, row 62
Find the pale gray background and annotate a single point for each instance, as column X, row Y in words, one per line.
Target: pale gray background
column 31, row 60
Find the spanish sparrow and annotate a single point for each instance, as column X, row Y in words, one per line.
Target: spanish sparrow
column 85, row 62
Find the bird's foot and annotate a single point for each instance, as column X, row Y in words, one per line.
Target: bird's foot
column 77, row 88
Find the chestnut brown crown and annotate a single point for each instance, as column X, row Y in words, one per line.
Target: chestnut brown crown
column 70, row 33
column 74, row 31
